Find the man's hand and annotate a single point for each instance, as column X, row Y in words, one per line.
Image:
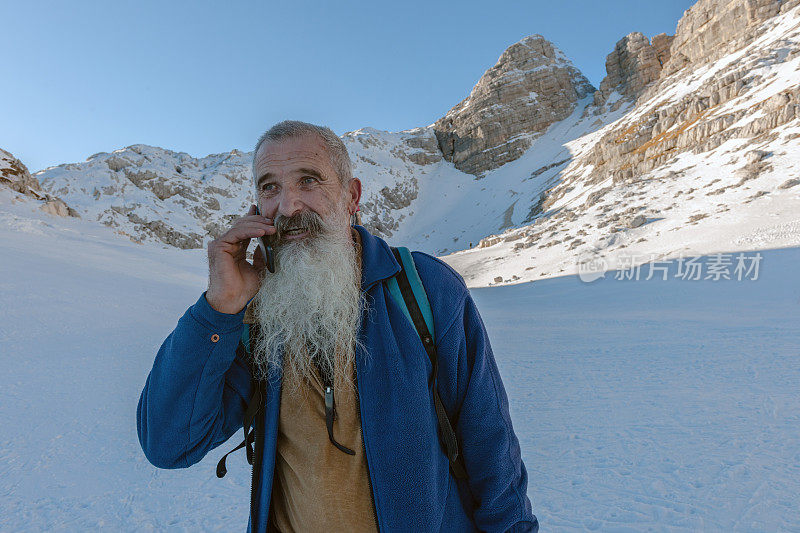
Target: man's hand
column 232, row 281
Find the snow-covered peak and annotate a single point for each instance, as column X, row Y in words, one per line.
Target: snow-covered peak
column 532, row 86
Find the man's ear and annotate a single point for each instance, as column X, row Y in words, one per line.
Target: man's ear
column 354, row 195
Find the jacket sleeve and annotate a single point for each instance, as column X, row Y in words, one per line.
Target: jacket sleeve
column 496, row 474
column 197, row 391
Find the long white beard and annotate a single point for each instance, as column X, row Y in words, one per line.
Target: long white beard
column 310, row 308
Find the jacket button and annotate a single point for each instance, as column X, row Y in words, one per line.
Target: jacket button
column 214, row 337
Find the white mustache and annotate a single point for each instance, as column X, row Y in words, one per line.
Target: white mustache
column 305, row 220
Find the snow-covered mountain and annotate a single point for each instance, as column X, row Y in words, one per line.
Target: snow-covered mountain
column 689, row 145
column 704, row 158
column 415, row 191
column 532, row 86
column 156, row 195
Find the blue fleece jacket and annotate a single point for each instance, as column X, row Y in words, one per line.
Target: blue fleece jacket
column 196, row 393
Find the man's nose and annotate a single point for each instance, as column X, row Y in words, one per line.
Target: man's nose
column 290, row 203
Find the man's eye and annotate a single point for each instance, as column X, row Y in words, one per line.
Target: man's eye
column 309, row 179
column 267, row 186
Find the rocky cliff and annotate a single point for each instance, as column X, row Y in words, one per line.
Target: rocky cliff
column 671, row 119
column 634, row 64
column 703, row 156
column 712, row 29
column 15, row 176
column 532, row 86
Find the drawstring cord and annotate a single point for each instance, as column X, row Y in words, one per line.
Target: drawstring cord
column 330, row 410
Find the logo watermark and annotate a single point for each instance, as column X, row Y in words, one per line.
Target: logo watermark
column 715, row 267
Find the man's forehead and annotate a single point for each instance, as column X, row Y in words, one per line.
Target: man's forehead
column 289, row 155
column 306, row 151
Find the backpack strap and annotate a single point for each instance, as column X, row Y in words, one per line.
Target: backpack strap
column 418, row 291
column 407, row 290
column 253, row 407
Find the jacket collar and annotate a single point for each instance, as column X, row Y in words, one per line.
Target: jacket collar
column 377, row 260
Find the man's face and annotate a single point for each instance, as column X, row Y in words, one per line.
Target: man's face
column 295, row 175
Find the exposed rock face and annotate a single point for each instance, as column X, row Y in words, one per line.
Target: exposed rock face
column 58, row 208
column 704, row 118
column 695, row 123
column 15, row 175
column 378, row 218
column 532, row 86
column 632, row 66
column 662, row 44
column 711, row 29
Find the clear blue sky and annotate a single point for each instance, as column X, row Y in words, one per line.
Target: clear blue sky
column 206, row 77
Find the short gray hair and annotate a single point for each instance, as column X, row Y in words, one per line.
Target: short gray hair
column 340, row 159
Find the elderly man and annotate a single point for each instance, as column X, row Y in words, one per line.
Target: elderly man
column 325, row 316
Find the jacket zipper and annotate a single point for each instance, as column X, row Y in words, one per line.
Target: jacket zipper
column 252, row 490
column 366, row 459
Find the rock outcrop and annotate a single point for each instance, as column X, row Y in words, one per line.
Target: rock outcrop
column 390, row 166
column 15, row 175
column 703, row 118
column 691, row 124
column 662, row 45
column 632, row 66
column 711, row 29
column 152, row 194
column 532, row 86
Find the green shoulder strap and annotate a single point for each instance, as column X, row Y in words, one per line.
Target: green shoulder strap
column 407, row 290
column 246, row 338
column 420, row 296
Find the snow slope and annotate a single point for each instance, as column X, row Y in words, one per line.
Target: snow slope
column 640, row 405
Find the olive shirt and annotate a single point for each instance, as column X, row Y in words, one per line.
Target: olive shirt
column 318, row 487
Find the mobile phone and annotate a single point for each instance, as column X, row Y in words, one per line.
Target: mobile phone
column 266, row 249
